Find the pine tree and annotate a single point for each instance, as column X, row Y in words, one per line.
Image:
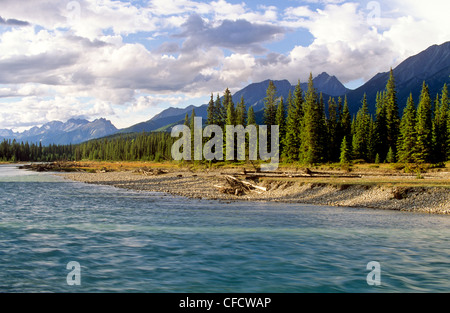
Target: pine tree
column 311, row 149
column 371, row 142
column 291, row 142
column 334, row 140
column 390, row 158
column 361, row 132
column 251, row 120
column 407, row 137
column 210, row 120
column 446, row 103
column 345, row 156
column 381, row 131
column 270, row 109
column 280, row 120
column 191, row 125
column 229, row 107
column 423, row 127
column 241, row 113
column 346, row 123
column 219, row 112
column 392, row 114
column 377, row 159
column 440, row 135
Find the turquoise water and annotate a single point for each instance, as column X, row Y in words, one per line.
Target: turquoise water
column 128, row 241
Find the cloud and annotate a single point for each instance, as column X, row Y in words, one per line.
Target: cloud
column 100, row 50
column 239, row 35
column 13, row 22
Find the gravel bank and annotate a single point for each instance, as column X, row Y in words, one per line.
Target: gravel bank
column 201, row 185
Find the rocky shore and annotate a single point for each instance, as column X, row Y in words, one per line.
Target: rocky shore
column 204, row 185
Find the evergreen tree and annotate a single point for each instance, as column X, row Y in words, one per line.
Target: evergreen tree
column 211, row 112
column 291, row 142
column 311, row 149
column 371, row 142
column 270, row 109
column 407, row 137
column 220, row 113
column 186, row 120
column 334, row 140
column 377, row 159
column 440, row 135
column 390, row 158
column 280, row 120
column 251, row 120
column 381, row 131
column 241, row 113
column 392, row 114
column 423, row 127
column 346, row 123
column 361, row 132
column 229, row 107
column 345, row 156
column 191, row 125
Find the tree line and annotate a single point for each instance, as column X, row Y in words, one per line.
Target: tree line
column 311, row 131
column 127, row 147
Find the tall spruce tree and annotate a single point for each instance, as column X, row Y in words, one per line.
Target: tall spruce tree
column 229, row 107
column 270, row 109
column 211, row 112
column 311, row 149
column 407, row 137
column 381, row 130
column 371, row 142
column 392, row 114
column 220, row 113
column 334, row 140
column 361, row 132
column 241, row 113
column 346, row 123
column 424, row 125
column 440, row 135
column 280, row 120
column 251, row 120
column 291, row 143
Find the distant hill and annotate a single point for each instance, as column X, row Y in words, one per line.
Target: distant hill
column 253, row 94
column 431, row 66
column 71, row 132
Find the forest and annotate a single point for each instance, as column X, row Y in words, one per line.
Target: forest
column 312, row 131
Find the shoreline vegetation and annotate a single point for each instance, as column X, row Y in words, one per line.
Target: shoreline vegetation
column 375, row 186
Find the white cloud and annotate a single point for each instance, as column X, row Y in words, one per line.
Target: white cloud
column 68, row 55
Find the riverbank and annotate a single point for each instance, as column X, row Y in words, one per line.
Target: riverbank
column 429, row 193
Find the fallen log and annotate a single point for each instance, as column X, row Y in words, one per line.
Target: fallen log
column 239, row 187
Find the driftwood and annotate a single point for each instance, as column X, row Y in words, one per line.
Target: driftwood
column 150, row 171
column 254, row 175
column 239, row 187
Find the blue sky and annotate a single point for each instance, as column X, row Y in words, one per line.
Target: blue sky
column 129, row 60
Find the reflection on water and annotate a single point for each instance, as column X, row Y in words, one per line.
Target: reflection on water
column 148, row 242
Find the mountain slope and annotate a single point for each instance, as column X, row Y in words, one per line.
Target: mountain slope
column 253, row 94
column 71, row 132
column 431, row 65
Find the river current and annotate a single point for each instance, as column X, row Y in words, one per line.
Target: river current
column 129, row 241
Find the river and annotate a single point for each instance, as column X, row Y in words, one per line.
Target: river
column 129, row 241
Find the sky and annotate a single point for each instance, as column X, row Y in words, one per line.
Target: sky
column 127, row 61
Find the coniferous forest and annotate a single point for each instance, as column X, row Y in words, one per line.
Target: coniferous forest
column 312, row 130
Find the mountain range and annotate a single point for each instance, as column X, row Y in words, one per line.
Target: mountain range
column 73, row 131
column 431, row 65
